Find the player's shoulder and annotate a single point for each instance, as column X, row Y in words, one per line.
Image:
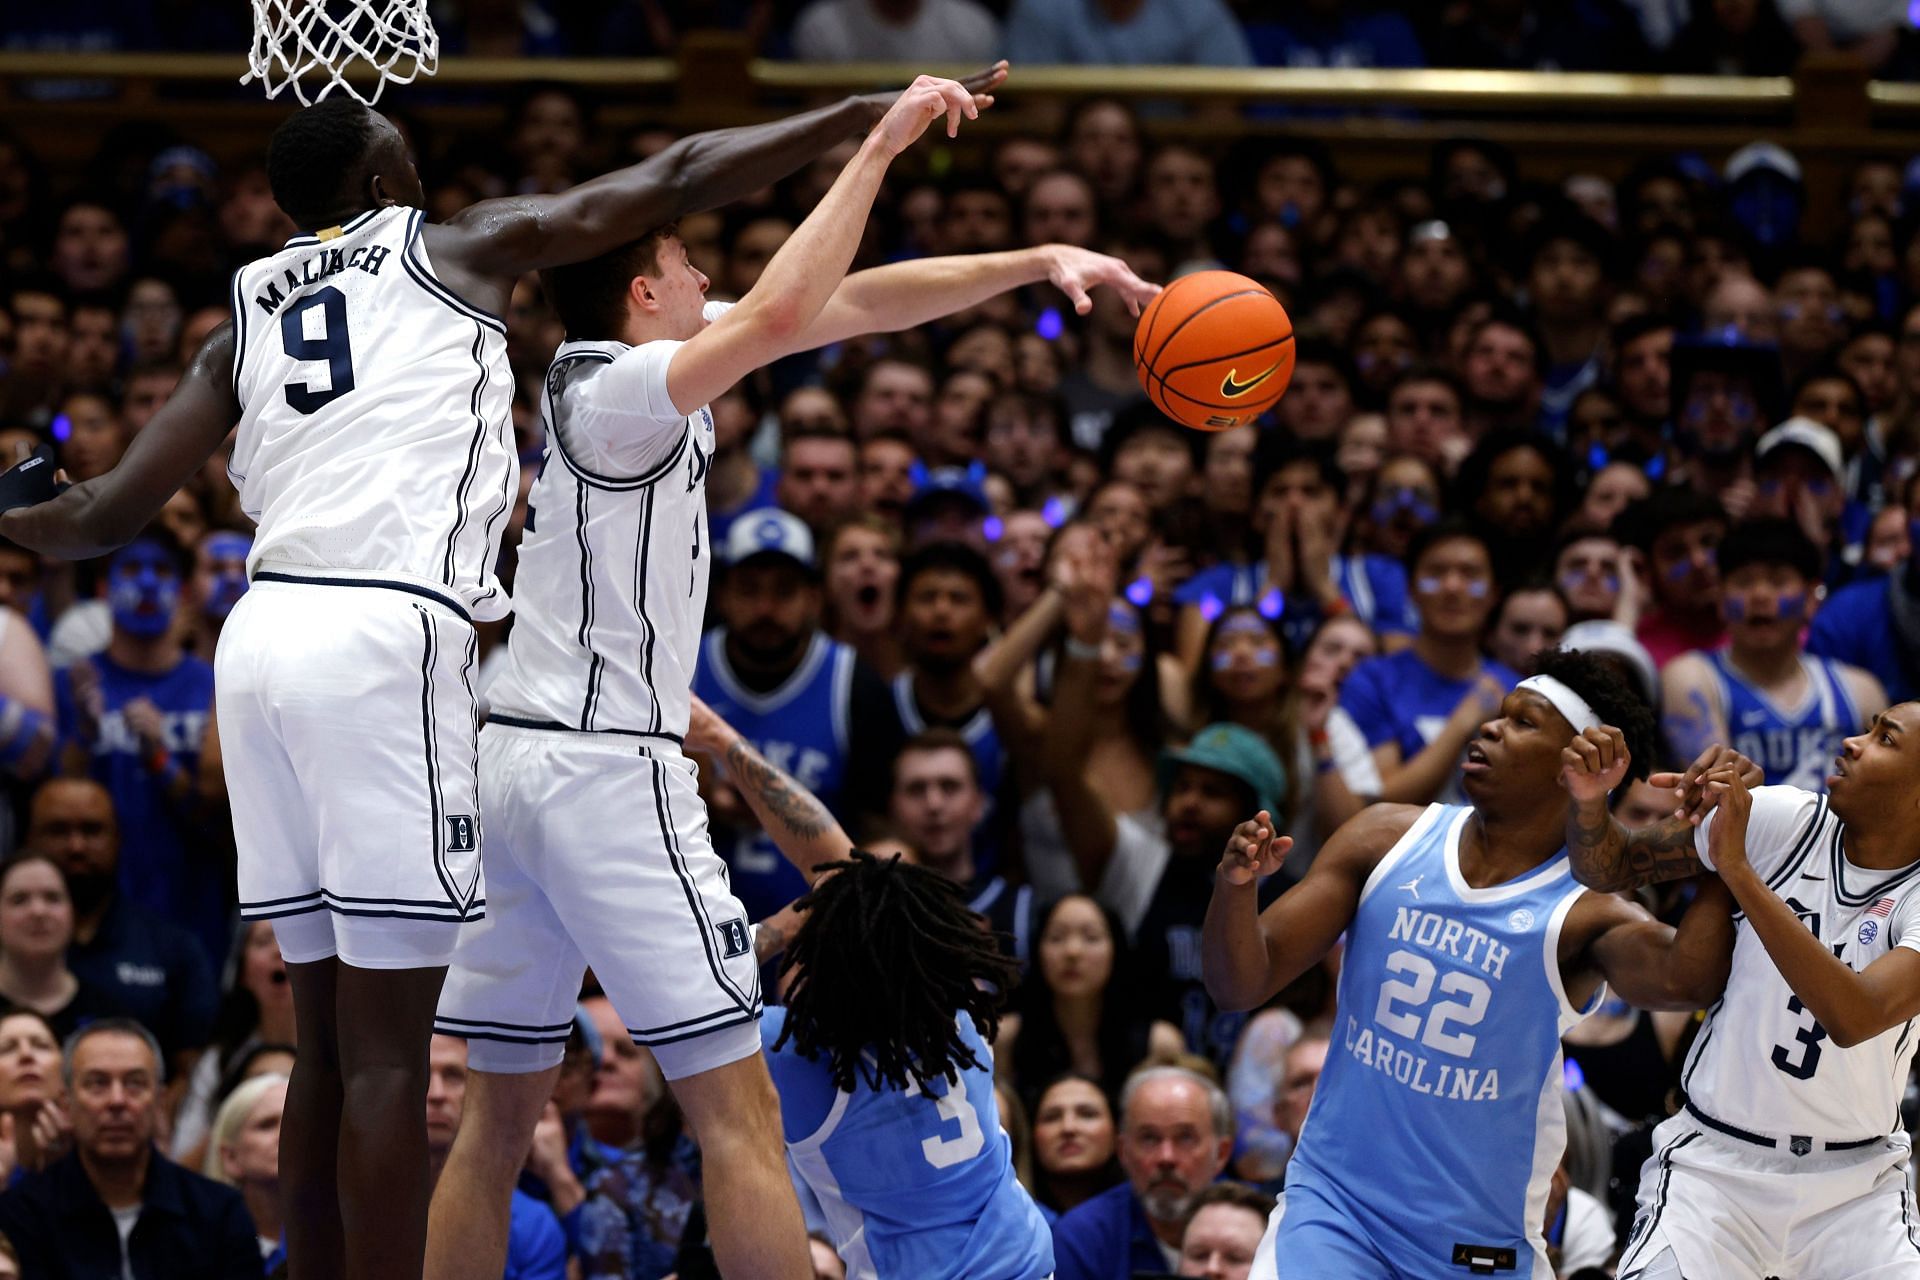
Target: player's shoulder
column 1367, row 837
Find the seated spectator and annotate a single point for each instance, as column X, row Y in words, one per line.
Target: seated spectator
column 1762, row 695
column 256, row 1013
column 1674, row 535
column 66, row 1222
column 1418, row 708
column 1329, row 33
column 1122, row 33
column 36, row 928
column 1224, row 1232
column 1531, row 618
column 1076, row 1010
column 245, row 1154
column 1176, row 1132
column 153, row 969
column 1073, row 1144
column 133, row 718
column 36, row 1129
column 536, row 1249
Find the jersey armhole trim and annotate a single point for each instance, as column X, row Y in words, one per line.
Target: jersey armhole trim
column 238, row 303
column 616, row 484
column 1401, row 847
column 424, row 277
column 1550, row 960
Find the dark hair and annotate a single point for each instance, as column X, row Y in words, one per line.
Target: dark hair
column 1633, row 328
column 1646, row 519
column 1139, row 417
column 1576, row 228
column 1612, row 699
column 591, row 297
column 1446, row 529
column 1107, row 1175
column 952, row 557
column 1828, row 370
column 1430, row 373
column 1507, row 316
column 886, row 960
column 28, row 853
column 320, row 158
column 940, row 738
column 26, row 1011
column 1237, row 1194
column 1769, row 541
column 1470, row 481
column 1041, row 1052
column 1275, row 451
column 1329, row 354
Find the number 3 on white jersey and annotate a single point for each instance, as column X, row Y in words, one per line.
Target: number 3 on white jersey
column 944, row 1153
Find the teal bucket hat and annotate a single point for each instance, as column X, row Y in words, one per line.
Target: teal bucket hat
column 1239, row 753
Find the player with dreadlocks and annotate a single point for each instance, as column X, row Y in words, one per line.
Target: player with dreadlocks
column 1470, row 950
column 881, row 1055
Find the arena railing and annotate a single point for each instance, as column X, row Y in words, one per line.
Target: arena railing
column 1380, row 122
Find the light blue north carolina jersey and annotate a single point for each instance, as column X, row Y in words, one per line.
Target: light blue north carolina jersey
column 800, row 727
column 913, row 1187
column 1437, row 1122
column 1796, row 748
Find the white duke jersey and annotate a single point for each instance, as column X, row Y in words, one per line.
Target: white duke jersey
column 612, row 583
column 1762, row 1064
column 376, row 438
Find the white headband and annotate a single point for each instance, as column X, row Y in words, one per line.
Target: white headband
column 1564, row 700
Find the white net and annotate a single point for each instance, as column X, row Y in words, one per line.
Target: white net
column 312, row 45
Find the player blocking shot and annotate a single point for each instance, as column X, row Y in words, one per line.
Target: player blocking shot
column 365, row 366
column 599, row 854
column 1470, row 950
column 1790, row 1159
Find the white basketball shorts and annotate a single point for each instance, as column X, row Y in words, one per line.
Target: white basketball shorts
column 598, row 855
column 1714, row 1206
column 348, row 734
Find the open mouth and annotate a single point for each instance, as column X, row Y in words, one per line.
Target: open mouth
column 1476, row 760
column 867, row 597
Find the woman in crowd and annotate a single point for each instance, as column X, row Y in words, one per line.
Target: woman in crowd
column 1078, row 1008
column 36, row 928
column 1531, row 617
column 1073, row 1143
column 257, row 1012
column 34, row 1130
column 245, row 1152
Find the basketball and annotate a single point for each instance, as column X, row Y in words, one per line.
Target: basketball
column 1214, row 350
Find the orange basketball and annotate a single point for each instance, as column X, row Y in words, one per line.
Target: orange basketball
column 1214, row 350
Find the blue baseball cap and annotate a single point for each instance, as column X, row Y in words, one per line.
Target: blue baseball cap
column 1238, row 752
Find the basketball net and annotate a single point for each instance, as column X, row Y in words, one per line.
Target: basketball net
column 312, row 44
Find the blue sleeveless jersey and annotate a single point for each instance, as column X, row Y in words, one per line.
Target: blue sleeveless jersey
column 800, row 727
column 1795, row 748
column 913, row 1187
column 1437, row 1122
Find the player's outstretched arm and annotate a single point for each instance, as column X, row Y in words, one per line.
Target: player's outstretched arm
column 1608, row 857
column 772, row 320
column 800, row 825
column 1248, row 955
column 902, row 295
column 509, row 236
column 1652, row 965
column 99, row 515
column 1852, row 1007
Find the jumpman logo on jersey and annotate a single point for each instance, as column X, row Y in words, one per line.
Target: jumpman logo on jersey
column 1413, row 886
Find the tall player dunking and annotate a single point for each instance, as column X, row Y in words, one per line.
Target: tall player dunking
column 366, row 366
column 1470, row 950
column 599, row 853
column 1790, row 1158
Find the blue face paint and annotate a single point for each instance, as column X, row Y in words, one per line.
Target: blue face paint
column 1793, row 604
column 1123, row 620
column 1679, row 571
column 1736, row 608
column 1476, row 590
column 143, row 589
column 228, row 551
column 1129, row 662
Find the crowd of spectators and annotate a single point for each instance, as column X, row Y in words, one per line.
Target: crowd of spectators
column 1705, row 37
column 1007, row 621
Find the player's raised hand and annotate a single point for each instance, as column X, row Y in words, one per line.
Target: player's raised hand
column 707, row 732
column 926, row 100
column 980, row 84
column 1695, row 800
column 1254, row 851
column 1075, row 271
column 1728, row 841
column 1593, row 764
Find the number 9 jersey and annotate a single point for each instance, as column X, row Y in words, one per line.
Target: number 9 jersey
column 376, row 438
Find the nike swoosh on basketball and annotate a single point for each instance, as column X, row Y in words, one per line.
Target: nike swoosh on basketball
column 1232, row 389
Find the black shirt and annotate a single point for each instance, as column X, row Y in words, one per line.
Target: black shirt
column 155, row 970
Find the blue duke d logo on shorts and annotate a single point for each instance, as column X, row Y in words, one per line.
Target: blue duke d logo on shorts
column 460, row 833
column 733, row 935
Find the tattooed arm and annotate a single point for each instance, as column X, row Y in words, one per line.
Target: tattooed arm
column 1607, row 856
column 799, row 824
